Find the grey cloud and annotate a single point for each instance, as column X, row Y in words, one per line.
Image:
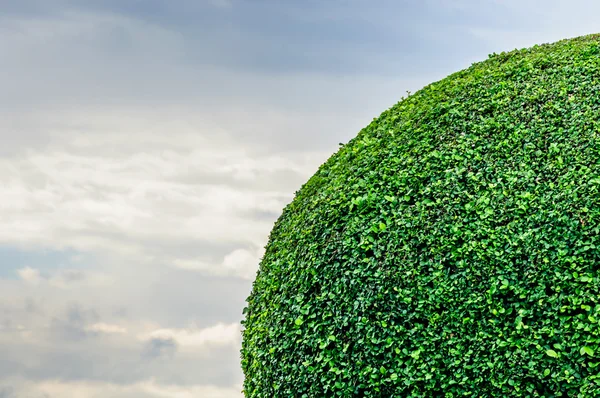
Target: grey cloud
column 148, row 389
column 169, row 298
column 82, row 69
column 7, row 392
column 79, row 317
column 73, row 275
column 156, row 247
column 31, row 306
column 71, row 327
column 10, row 366
column 284, row 36
column 160, row 348
column 16, row 312
column 120, row 361
column 192, row 40
column 281, row 180
column 201, row 298
column 265, row 215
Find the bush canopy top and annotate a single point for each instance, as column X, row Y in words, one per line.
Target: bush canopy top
column 452, row 248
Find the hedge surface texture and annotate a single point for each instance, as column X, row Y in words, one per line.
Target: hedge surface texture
column 451, row 249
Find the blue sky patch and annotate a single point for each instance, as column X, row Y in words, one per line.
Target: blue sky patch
column 13, row 259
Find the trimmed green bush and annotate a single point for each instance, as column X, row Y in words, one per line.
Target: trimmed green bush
column 451, row 249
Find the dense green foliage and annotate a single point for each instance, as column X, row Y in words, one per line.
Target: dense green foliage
column 451, row 249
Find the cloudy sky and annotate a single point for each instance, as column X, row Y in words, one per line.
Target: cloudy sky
column 147, row 147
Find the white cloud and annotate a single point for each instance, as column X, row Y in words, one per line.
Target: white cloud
column 195, row 338
column 62, row 278
column 79, row 343
column 148, row 197
column 242, row 263
column 30, row 275
column 102, row 327
column 145, row 389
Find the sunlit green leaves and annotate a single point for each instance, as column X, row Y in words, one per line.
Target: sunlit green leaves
column 587, row 351
column 551, row 353
column 450, row 249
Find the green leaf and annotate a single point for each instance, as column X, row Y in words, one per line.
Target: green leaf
column 552, row 353
column 586, row 350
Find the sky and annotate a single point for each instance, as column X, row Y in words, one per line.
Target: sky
column 148, row 146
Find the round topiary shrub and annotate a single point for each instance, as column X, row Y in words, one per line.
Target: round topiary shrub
column 451, row 249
